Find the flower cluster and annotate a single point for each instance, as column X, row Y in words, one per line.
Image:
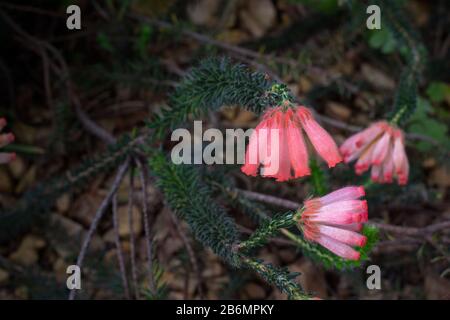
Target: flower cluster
column 277, row 149
column 335, row 220
column 5, row 139
column 382, row 147
column 278, row 146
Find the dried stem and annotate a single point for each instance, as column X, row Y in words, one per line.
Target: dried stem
column 98, row 215
column 148, row 235
column 191, row 253
column 123, row 271
column 90, row 125
column 288, row 204
column 132, row 238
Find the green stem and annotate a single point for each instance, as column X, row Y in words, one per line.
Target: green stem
column 279, row 277
column 396, row 118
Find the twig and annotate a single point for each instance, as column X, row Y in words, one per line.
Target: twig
column 132, row 239
column 91, row 126
column 191, row 253
column 148, row 235
column 47, row 85
column 32, row 9
column 410, row 231
column 270, row 199
column 120, row 259
column 198, row 36
column 98, row 215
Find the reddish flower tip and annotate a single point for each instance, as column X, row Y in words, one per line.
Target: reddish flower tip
column 249, row 170
column 363, row 241
column 2, row 122
column 361, row 191
column 356, row 256
column 365, row 217
column 364, row 205
column 11, row 137
column 357, row 218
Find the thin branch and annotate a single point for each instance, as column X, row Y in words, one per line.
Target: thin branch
column 91, row 126
column 119, row 251
column 191, row 253
column 98, row 215
column 410, row 231
column 132, row 238
column 148, row 234
column 288, row 204
column 34, row 10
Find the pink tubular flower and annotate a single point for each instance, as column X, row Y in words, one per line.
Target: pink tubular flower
column 278, row 147
column 381, row 146
column 334, row 221
column 5, row 139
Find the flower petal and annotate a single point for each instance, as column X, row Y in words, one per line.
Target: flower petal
column 400, row 159
column 251, row 164
column 338, row 248
column 381, row 149
column 298, row 154
column 345, row 236
column 346, row 193
column 6, row 157
column 320, row 139
column 6, row 139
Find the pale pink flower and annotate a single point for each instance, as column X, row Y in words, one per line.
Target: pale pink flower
column 277, row 145
column 382, row 147
column 5, row 139
column 335, row 220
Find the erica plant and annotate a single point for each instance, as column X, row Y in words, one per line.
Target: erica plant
column 334, row 179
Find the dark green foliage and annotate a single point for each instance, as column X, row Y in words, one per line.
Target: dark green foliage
column 138, row 73
column 425, row 122
column 280, row 277
column 414, row 53
column 405, row 102
column 255, row 211
column 225, row 186
column 215, row 83
column 318, row 178
column 191, row 199
column 236, row 283
column 161, row 289
column 268, row 229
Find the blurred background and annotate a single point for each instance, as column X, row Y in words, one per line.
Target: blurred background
column 123, row 64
